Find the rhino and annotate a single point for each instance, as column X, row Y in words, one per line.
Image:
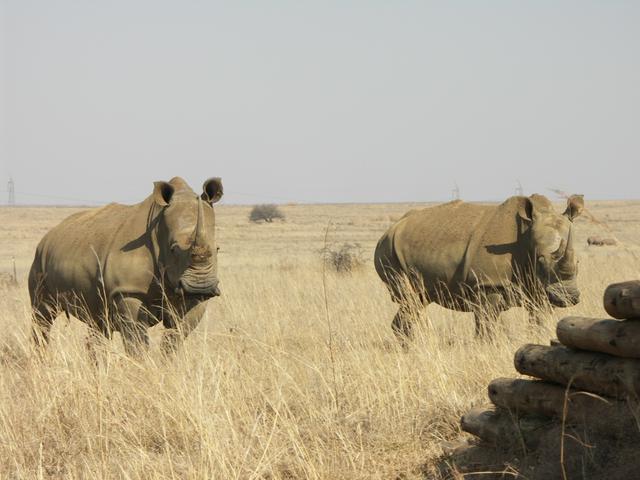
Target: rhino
column 126, row 268
column 469, row 257
column 601, row 241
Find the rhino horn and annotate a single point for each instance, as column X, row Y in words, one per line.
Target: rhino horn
column 200, row 237
column 567, row 263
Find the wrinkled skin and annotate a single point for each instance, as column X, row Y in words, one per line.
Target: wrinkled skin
column 467, row 257
column 127, row 267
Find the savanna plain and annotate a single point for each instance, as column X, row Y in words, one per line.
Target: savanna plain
column 293, row 373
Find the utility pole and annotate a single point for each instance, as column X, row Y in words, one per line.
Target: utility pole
column 12, row 193
column 519, row 190
column 455, row 193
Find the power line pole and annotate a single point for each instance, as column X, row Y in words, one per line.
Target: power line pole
column 12, row 193
column 455, row 193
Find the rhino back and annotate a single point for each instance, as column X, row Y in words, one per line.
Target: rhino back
column 433, row 241
column 457, row 243
column 89, row 246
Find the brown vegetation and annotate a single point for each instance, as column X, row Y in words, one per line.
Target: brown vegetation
column 257, row 392
column 343, row 258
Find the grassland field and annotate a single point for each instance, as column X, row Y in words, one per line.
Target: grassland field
column 276, row 382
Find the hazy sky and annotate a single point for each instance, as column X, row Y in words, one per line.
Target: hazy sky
column 324, row 101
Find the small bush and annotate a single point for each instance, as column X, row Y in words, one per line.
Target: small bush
column 344, row 258
column 267, row 213
column 8, row 280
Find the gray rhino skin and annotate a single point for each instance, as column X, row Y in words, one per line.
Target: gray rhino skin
column 127, row 267
column 467, row 257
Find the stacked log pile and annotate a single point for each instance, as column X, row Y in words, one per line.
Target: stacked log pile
column 579, row 416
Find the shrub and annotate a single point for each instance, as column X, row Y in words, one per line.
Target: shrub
column 267, row 213
column 344, row 258
column 8, row 280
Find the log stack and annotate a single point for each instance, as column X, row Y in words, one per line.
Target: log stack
column 579, row 416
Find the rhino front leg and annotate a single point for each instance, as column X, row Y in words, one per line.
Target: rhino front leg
column 177, row 330
column 96, row 336
column 130, row 313
column 487, row 313
column 538, row 314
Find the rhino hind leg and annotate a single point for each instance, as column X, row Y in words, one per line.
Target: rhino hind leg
column 403, row 322
column 43, row 315
column 402, row 326
column 44, row 307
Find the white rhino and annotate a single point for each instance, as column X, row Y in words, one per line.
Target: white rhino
column 466, row 257
column 127, row 267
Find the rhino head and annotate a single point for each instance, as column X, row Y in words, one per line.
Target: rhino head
column 186, row 240
column 551, row 250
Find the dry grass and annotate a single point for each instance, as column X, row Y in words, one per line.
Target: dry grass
column 255, row 393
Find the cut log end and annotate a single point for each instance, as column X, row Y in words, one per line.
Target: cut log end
column 603, row 416
column 594, row 372
column 501, row 428
column 615, row 337
column 622, row 300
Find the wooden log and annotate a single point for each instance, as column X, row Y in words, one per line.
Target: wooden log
column 500, row 428
column 595, row 372
column 615, row 337
column 622, row 300
column 600, row 415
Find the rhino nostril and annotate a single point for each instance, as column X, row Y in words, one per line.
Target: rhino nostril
column 200, row 255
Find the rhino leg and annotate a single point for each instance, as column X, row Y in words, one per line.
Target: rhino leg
column 44, row 308
column 537, row 315
column 402, row 324
column 486, row 315
column 94, row 338
column 130, row 314
column 484, row 324
column 178, row 329
column 43, row 314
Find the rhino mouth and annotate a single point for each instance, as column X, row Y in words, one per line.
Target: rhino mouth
column 563, row 294
column 209, row 290
column 199, row 285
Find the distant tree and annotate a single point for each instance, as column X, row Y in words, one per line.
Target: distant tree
column 267, row 213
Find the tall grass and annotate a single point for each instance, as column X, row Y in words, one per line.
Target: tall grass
column 252, row 394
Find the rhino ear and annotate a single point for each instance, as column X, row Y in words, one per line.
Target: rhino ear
column 162, row 193
column 525, row 209
column 575, row 206
column 212, row 190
